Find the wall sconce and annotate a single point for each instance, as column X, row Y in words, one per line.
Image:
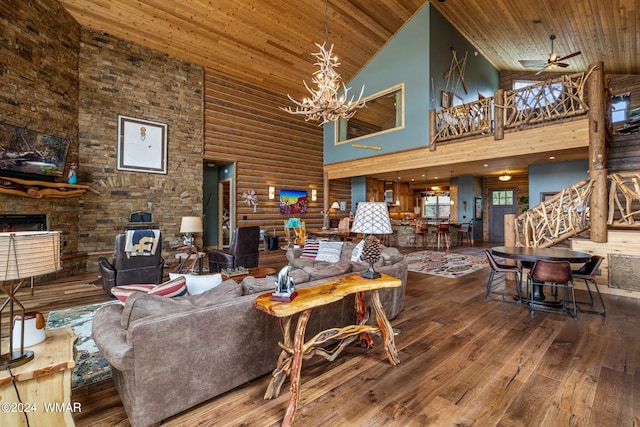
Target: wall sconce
column 272, row 192
column 314, row 195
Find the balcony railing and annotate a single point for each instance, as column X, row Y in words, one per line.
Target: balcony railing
column 555, row 99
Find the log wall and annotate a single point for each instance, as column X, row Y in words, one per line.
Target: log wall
column 244, row 125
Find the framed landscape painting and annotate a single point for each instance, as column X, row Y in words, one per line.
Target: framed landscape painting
column 142, row 145
column 293, row 202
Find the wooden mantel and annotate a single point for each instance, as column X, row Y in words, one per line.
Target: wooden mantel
column 41, row 189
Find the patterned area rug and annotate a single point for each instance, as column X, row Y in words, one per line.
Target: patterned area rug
column 445, row 264
column 90, row 367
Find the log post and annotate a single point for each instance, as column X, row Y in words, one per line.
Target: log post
column 325, row 194
column 432, row 130
column 510, row 240
column 598, row 153
column 498, row 114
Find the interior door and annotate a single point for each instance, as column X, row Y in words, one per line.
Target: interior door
column 501, row 203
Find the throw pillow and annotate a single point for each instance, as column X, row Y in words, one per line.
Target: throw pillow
column 172, row 288
column 310, row 249
column 199, row 284
column 356, row 255
column 329, row 251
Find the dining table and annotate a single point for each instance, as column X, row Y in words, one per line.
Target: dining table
column 529, row 255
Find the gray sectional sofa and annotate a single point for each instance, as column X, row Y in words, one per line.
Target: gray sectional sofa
column 168, row 355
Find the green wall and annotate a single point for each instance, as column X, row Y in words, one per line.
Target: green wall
column 419, row 51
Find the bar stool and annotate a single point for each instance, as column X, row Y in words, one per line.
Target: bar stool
column 442, row 231
column 421, row 233
column 465, row 232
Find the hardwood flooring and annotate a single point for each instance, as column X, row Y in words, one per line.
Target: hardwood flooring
column 465, row 361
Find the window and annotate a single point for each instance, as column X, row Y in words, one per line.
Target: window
column 502, row 198
column 437, row 206
column 528, row 98
column 620, row 108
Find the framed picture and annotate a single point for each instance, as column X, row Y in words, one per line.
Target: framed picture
column 445, row 99
column 293, row 202
column 477, row 213
column 142, row 145
column 546, row 196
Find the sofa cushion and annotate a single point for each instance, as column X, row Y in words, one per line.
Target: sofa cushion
column 252, row 285
column 140, row 305
column 227, row 290
column 175, row 287
column 199, row 284
column 340, row 267
column 310, row 249
column 391, row 255
column 329, row 251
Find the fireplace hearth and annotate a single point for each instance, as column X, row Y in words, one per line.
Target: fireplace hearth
column 14, row 222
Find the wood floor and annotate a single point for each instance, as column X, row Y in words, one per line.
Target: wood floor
column 465, row 361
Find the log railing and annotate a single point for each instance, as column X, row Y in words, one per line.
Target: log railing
column 624, row 199
column 555, row 99
column 556, row 219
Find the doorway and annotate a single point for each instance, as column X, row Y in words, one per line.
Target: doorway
column 225, row 225
column 501, row 203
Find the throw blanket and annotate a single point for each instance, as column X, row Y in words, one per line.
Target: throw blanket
column 141, row 242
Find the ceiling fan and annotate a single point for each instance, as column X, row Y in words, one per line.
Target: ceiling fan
column 552, row 62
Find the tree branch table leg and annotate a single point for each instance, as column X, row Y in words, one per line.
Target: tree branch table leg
column 284, row 366
column 385, row 329
column 296, row 366
column 361, row 307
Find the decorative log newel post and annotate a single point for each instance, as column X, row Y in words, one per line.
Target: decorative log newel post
column 510, row 240
column 598, row 153
column 432, row 130
column 498, row 114
column 325, row 195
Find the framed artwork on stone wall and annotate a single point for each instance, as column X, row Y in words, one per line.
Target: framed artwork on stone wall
column 142, row 145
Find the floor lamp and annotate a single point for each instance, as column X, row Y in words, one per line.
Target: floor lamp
column 23, row 255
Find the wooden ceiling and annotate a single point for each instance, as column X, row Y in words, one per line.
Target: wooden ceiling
column 269, row 42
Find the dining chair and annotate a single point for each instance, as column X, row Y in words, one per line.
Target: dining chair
column 496, row 267
column 555, row 274
column 588, row 273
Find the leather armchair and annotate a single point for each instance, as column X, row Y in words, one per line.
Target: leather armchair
column 243, row 251
column 125, row 269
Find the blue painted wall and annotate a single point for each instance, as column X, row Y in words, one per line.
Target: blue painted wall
column 554, row 177
column 420, row 50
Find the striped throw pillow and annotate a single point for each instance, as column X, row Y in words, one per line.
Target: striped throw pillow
column 310, row 249
column 172, row 288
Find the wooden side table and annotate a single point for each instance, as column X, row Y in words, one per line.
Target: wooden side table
column 294, row 347
column 44, row 384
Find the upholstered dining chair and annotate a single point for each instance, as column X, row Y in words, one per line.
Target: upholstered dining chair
column 555, row 274
column 588, row 273
column 140, row 263
column 500, row 295
column 243, row 251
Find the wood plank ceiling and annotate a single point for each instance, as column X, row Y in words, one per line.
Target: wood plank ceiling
column 269, row 42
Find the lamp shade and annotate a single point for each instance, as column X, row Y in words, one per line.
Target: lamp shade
column 28, row 254
column 372, row 218
column 335, row 205
column 294, row 223
column 191, row 224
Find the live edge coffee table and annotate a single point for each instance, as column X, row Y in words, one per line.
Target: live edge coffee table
column 294, row 347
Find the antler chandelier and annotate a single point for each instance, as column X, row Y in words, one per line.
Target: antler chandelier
column 326, row 104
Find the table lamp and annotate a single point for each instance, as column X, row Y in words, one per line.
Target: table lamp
column 190, row 225
column 24, row 255
column 371, row 218
column 295, row 224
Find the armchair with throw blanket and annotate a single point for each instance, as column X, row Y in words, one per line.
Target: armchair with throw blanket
column 137, row 259
column 243, row 251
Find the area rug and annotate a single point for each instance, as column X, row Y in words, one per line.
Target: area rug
column 445, row 264
column 90, row 367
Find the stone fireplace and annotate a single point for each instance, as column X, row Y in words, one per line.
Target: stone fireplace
column 16, row 222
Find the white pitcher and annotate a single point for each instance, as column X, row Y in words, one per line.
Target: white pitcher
column 33, row 329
